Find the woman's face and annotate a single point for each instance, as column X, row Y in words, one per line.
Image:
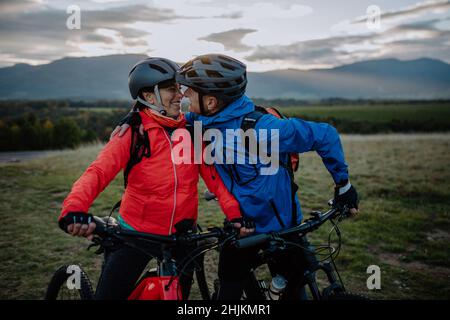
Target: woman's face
column 171, row 100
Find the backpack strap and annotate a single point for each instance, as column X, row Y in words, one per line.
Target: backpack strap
column 140, row 145
column 249, row 122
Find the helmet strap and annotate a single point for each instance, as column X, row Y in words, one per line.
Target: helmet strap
column 158, row 107
column 200, row 104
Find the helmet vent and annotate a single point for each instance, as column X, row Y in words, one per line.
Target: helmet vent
column 222, row 85
column 192, row 73
column 213, row 74
column 156, row 67
column 227, row 66
column 205, row 60
column 225, row 58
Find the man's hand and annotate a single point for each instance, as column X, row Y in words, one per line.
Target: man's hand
column 125, row 123
column 78, row 224
column 120, row 130
column 345, row 194
column 246, row 227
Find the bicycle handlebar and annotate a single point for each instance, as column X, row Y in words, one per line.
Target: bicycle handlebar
column 303, row 228
column 103, row 230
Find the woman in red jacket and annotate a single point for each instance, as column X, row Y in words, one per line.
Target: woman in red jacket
column 160, row 192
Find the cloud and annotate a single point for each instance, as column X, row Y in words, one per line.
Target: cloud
column 38, row 34
column 232, row 15
column 13, row 6
column 408, row 41
column 231, row 39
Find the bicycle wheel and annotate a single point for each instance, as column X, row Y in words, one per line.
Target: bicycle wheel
column 207, row 285
column 58, row 288
column 206, row 276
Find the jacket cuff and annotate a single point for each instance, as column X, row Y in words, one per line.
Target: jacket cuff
column 232, row 212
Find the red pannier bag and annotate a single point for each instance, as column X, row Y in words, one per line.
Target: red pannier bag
column 154, row 288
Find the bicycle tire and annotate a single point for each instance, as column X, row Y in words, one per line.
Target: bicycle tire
column 58, row 282
column 202, row 283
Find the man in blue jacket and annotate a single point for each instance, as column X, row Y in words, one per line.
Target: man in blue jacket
column 215, row 85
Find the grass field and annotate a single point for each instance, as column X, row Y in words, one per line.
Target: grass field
column 404, row 225
column 424, row 117
column 378, row 113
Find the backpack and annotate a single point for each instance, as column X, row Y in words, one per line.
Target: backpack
column 140, row 147
column 250, row 120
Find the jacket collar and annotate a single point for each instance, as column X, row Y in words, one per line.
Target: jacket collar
column 236, row 109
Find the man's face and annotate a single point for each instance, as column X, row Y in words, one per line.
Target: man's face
column 192, row 95
column 210, row 103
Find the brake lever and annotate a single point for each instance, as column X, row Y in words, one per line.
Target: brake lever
column 96, row 242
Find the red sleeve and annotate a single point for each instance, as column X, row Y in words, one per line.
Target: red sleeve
column 227, row 202
column 111, row 160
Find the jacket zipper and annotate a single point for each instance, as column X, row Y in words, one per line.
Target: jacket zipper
column 277, row 214
column 176, row 183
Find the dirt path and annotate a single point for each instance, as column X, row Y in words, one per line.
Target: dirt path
column 20, row 156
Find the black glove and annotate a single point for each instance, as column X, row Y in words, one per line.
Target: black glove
column 345, row 195
column 245, row 222
column 73, row 218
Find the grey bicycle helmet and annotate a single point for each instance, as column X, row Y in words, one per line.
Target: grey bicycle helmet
column 214, row 74
column 150, row 72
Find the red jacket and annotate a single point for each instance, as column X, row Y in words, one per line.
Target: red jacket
column 159, row 193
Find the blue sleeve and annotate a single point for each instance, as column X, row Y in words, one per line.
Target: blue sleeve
column 298, row 136
column 190, row 117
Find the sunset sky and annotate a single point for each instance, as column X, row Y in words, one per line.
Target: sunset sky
column 264, row 34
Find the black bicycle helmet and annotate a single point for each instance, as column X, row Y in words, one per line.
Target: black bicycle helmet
column 150, row 72
column 214, row 74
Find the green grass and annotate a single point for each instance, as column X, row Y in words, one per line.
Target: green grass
column 379, row 118
column 404, row 225
column 375, row 113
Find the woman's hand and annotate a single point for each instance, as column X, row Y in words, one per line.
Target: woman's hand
column 82, row 230
column 78, row 224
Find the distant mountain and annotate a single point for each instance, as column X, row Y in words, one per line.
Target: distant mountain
column 106, row 78
column 381, row 79
column 103, row 77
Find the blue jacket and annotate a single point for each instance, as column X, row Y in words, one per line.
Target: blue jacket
column 269, row 199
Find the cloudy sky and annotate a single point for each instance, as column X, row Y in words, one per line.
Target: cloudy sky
column 264, row 34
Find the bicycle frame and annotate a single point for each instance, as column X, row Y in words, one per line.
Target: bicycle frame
column 257, row 289
column 164, row 282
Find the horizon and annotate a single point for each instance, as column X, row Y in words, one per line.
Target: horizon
column 273, row 70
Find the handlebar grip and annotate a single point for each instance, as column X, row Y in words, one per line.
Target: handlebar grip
column 251, row 241
column 100, row 226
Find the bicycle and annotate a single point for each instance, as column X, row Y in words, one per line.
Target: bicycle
column 164, row 278
column 275, row 243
